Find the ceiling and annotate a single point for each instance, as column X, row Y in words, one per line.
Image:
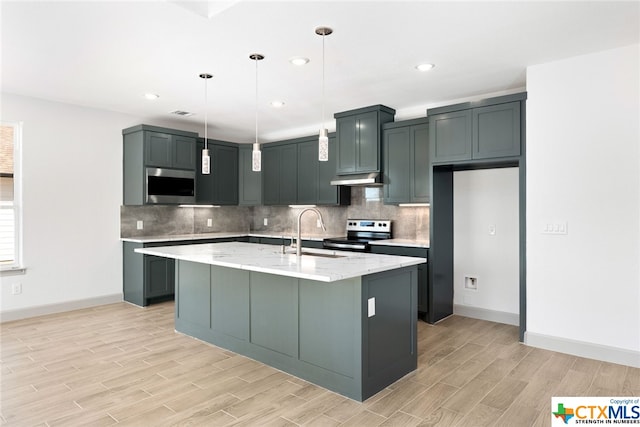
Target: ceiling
column 107, row 55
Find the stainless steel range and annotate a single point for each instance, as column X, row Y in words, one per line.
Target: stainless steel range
column 359, row 233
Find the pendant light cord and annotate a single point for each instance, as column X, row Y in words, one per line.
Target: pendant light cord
column 206, row 104
column 256, row 60
column 323, row 37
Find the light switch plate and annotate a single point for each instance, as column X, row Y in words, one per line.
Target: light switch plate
column 555, row 227
column 209, row 222
column 266, row 221
column 139, row 225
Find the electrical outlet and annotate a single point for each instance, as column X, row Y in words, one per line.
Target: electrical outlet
column 371, row 307
column 318, row 224
column 209, row 222
column 266, row 221
column 16, row 288
column 139, row 225
column 471, row 283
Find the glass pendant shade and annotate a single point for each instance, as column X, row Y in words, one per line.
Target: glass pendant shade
column 206, row 162
column 323, row 146
column 256, row 159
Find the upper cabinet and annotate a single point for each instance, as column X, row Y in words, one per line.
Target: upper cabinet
column 220, row 187
column 169, row 150
column 279, row 174
column 358, row 138
column 406, row 161
column 314, row 176
column 249, row 181
column 146, row 148
column 466, row 132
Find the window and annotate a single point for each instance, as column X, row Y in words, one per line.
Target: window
column 10, row 217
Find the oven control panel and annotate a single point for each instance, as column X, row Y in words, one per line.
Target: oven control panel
column 371, row 225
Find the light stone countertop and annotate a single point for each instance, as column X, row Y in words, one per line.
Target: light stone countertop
column 269, row 259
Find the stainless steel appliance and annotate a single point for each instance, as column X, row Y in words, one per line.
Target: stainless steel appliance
column 170, row 186
column 359, row 233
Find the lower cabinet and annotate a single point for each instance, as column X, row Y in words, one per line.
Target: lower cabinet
column 147, row 279
column 423, row 272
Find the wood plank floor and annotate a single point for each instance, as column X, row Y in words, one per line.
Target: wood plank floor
column 120, row 364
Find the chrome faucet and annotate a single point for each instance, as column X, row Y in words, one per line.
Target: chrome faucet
column 298, row 243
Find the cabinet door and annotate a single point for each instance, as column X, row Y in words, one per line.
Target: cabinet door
column 288, row 174
column 225, row 163
column 421, row 187
column 184, row 152
column 367, row 142
column 496, row 131
column 157, row 149
column 159, row 276
column 450, row 136
column 249, row 182
column 347, row 135
column 328, row 194
column 308, row 165
column 271, row 175
column 397, row 161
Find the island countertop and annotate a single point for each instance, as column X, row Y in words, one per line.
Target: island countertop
column 315, row 264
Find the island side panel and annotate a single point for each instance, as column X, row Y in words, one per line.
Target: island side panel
column 274, row 313
column 193, row 298
column 230, row 302
column 389, row 335
column 331, row 332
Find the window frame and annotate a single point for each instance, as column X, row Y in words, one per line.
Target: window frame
column 17, row 263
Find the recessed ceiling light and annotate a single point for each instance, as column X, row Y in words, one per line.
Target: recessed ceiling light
column 424, row 67
column 299, row 60
column 277, row 104
column 151, row 96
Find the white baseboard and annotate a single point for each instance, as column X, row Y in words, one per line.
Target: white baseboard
column 41, row 310
column 604, row 353
column 486, row 314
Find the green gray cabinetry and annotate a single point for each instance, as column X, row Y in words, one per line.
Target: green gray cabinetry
column 220, row 187
column 358, row 135
column 146, row 278
column 314, row 176
column 424, row 291
column 406, row 161
column 279, row 174
column 249, row 181
column 481, row 133
column 321, row 332
column 152, row 146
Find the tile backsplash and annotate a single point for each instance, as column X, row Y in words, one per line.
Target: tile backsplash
column 366, row 202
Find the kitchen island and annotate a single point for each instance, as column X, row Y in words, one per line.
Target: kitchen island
column 343, row 320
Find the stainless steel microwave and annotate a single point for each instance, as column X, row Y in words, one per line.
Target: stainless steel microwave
column 170, row 186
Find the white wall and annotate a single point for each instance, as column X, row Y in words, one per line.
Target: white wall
column 485, row 199
column 583, row 167
column 72, row 192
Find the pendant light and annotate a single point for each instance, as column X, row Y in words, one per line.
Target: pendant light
column 206, row 160
column 256, row 162
column 323, row 140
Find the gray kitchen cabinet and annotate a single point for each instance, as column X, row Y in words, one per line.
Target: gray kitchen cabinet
column 406, row 162
column 314, row 176
column 482, row 133
column 358, row 135
column 220, row 187
column 279, row 174
column 249, row 181
column 147, row 279
column 151, row 146
column 424, row 290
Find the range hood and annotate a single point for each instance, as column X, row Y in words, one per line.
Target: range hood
column 369, row 179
